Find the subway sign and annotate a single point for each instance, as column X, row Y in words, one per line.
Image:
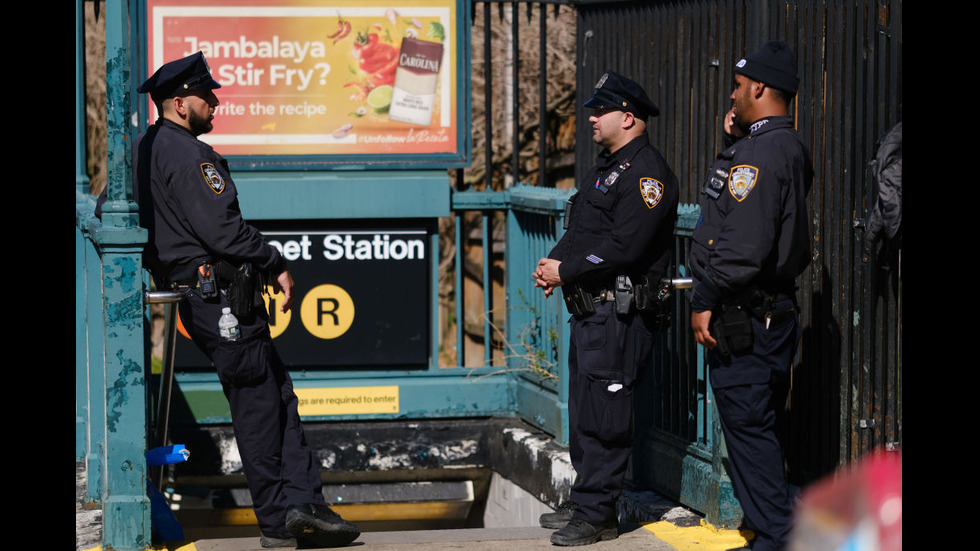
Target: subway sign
column 361, row 299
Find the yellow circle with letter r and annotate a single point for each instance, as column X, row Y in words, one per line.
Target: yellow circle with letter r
column 327, row 311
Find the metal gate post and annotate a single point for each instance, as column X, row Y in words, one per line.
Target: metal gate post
column 126, row 508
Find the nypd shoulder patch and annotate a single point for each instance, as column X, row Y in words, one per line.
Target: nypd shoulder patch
column 212, row 177
column 741, row 180
column 651, row 190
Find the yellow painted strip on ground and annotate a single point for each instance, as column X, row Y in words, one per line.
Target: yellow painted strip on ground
column 187, row 547
column 233, row 517
column 698, row 538
column 354, row 512
column 425, row 510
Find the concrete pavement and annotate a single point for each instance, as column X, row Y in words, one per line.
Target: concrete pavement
column 659, row 536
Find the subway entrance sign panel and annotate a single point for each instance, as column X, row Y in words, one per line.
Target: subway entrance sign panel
column 362, row 299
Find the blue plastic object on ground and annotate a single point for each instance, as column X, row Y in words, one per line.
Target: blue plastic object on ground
column 167, row 455
column 165, row 524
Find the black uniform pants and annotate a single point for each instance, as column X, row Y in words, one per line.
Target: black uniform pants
column 754, row 422
column 277, row 462
column 607, row 354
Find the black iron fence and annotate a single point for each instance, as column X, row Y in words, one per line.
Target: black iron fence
column 846, row 397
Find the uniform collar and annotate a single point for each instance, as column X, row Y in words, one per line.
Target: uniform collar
column 174, row 126
column 766, row 124
column 625, row 153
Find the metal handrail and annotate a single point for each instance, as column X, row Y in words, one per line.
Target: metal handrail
column 170, row 299
column 677, row 282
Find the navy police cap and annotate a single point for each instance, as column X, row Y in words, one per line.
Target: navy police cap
column 178, row 77
column 773, row 64
column 614, row 91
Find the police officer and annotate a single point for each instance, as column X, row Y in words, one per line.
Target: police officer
column 199, row 244
column 615, row 250
column 749, row 246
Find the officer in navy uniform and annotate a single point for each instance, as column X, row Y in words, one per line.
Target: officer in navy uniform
column 189, row 205
column 611, row 258
column 750, row 244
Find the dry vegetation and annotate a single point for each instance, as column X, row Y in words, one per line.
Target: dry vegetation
column 95, row 99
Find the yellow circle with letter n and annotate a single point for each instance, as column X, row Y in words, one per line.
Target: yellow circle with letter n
column 278, row 321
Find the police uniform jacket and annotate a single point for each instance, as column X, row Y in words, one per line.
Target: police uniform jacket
column 189, row 204
column 753, row 230
column 621, row 219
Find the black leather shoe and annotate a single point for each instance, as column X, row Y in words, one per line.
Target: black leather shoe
column 319, row 525
column 560, row 517
column 278, row 540
column 580, row 532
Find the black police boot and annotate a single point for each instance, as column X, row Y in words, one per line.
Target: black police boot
column 580, row 532
column 560, row 517
column 277, row 540
column 319, row 525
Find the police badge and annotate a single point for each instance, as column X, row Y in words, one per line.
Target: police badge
column 741, row 180
column 651, row 190
column 213, row 178
column 602, row 80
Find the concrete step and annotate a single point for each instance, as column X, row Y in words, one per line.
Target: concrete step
column 475, row 539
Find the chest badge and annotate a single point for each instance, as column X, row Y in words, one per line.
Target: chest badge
column 741, row 180
column 651, row 190
column 212, row 177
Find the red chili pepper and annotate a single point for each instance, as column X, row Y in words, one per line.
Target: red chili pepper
column 343, row 29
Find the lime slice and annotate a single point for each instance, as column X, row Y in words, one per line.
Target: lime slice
column 380, row 98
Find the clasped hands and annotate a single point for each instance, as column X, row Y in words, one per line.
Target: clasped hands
column 546, row 275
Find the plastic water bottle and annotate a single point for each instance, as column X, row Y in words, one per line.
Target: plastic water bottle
column 228, row 326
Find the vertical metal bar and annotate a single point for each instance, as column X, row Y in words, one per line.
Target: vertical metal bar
column 894, row 83
column 839, row 180
column 81, row 176
column 94, row 374
column 516, row 89
column 877, row 342
column 487, row 290
column 514, row 257
column 487, row 103
column 435, row 310
column 166, row 383
column 542, row 92
column 458, row 294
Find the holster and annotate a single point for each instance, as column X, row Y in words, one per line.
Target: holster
column 762, row 305
column 578, row 301
column 653, row 301
column 240, row 285
column 624, row 293
column 731, row 326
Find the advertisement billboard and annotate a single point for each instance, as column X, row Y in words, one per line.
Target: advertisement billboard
column 324, row 81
